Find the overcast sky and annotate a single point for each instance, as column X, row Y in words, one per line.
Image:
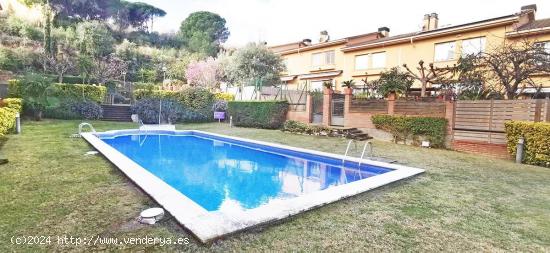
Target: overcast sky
column 283, row 21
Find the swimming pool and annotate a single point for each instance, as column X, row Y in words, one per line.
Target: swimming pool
column 215, row 185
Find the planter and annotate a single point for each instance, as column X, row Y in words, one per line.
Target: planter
column 328, row 91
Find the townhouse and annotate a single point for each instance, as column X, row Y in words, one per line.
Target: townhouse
column 366, row 56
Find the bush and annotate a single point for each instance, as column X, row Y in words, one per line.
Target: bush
column 74, row 109
column 294, row 126
column 537, row 140
column 258, row 114
column 220, row 106
column 80, row 92
column 8, row 110
column 224, row 96
column 14, row 88
column 402, row 127
column 172, row 111
column 197, row 101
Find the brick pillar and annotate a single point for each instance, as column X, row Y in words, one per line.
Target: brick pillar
column 391, row 103
column 309, row 108
column 348, row 92
column 450, row 116
column 327, row 101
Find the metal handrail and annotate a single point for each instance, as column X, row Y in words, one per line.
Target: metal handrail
column 367, row 144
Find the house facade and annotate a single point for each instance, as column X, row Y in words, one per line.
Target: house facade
column 366, row 56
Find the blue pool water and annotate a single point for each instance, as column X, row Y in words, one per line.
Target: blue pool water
column 221, row 173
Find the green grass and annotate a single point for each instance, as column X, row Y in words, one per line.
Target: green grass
column 462, row 203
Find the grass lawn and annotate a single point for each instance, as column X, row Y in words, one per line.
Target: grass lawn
column 462, row 203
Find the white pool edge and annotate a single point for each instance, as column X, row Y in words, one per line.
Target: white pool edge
column 208, row 226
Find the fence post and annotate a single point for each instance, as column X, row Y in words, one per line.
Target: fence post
column 348, row 92
column 391, row 103
column 309, row 108
column 450, row 116
column 327, row 101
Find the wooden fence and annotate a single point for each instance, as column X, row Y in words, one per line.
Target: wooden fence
column 433, row 109
column 375, row 106
column 483, row 121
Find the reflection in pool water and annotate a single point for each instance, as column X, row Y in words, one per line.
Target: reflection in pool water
column 221, row 175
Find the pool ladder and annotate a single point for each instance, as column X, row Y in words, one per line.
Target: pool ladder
column 367, row 144
column 82, row 125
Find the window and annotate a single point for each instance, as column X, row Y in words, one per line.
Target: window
column 545, row 46
column 473, row 46
column 323, row 58
column 362, row 62
column 379, row 60
column 444, row 51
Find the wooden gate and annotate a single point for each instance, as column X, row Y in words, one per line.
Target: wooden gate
column 337, row 109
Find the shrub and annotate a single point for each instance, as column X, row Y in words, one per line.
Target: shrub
column 197, row 101
column 75, row 109
column 14, row 88
column 220, row 106
column 259, row 114
column 224, row 96
column 294, row 126
column 402, row 128
column 8, row 110
column 537, row 140
column 81, row 92
column 172, row 111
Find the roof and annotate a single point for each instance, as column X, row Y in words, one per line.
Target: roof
column 299, row 46
column 434, row 31
column 535, row 24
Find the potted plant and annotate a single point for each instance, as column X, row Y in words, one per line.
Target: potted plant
column 348, row 84
column 220, row 108
column 36, row 90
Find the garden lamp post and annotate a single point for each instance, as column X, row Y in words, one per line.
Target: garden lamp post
column 164, row 72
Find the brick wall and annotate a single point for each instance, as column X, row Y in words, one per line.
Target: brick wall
column 482, row 148
column 301, row 116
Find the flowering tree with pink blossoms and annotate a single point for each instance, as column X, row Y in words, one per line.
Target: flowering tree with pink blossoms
column 206, row 73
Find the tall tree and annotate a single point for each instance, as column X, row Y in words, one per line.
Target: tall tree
column 204, row 32
column 511, row 68
column 254, row 64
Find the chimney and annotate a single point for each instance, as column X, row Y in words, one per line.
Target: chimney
column 430, row 22
column 526, row 15
column 324, row 37
column 306, row 42
column 384, row 31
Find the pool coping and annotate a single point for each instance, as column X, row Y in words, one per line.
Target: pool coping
column 208, row 226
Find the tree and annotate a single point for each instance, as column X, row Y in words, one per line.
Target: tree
column 394, row 80
column 203, row 32
column 95, row 39
column 137, row 15
column 509, row 69
column 59, row 64
column 254, row 64
column 206, row 73
column 428, row 74
column 109, row 68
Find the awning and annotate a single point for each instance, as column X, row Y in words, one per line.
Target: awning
column 321, row 75
column 287, row 78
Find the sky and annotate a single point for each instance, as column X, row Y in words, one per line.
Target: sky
column 285, row 21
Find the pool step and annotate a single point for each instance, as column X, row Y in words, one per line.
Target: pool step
column 122, row 113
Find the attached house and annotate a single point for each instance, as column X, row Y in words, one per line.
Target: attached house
column 370, row 54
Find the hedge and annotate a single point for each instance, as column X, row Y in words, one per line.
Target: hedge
column 258, row 114
column 198, row 101
column 8, row 109
column 94, row 93
column 537, row 140
column 224, row 96
column 65, row 91
column 402, row 127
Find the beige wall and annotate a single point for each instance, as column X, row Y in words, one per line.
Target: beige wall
column 409, row 53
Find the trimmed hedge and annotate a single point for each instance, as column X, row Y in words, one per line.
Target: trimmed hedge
column 537, row 140
column 8, row 110
column 402, row 128
column 81, row 92
column 258, row 114
column 65, row 91
column 297, row 127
